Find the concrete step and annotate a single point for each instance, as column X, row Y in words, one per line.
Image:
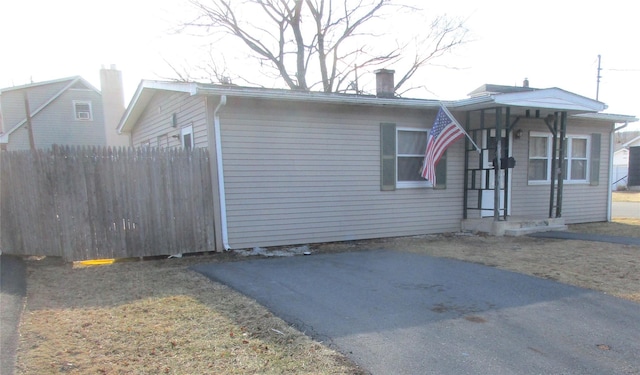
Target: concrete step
column 523, row 231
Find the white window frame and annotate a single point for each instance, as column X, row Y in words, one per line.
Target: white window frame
column 567, row 160
column 77, row 113
column 187, row 130
column 409, row 184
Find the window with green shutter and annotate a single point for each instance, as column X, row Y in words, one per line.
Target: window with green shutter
column 581, row 156
column 402, row 154
column 594, row 175
column 387, row 156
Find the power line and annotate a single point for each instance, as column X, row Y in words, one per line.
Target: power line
column 623, row 70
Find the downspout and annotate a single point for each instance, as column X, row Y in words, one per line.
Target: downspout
column 221, row 193
column 610, row 188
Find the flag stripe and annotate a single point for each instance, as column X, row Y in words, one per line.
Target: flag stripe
column 444, row 132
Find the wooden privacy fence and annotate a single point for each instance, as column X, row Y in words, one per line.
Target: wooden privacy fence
column 92, row 203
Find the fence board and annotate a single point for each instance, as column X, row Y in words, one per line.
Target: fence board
column 91, row 203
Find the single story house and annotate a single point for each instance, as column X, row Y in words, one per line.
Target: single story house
column 296, row 167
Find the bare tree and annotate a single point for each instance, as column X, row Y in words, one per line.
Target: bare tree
column 325, row 44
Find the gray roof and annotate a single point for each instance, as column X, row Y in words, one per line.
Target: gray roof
column 546, row 100
column 488, row 89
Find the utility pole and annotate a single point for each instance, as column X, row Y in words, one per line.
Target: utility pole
column 32, row 143
column 598, row 78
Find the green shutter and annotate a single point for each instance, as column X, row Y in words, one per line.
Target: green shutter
column 387, row 156
column 595, row 159
column 441, row 173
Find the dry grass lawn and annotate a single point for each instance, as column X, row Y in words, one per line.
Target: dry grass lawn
column 158, row 317
column 626, row 196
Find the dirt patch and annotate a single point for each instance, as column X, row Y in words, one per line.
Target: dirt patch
column 155, row 317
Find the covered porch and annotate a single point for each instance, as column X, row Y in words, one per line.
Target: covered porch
column 515, row 183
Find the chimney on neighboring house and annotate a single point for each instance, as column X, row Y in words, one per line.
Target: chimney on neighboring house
column 384, row 83
column 112, row 105
column 525, row 83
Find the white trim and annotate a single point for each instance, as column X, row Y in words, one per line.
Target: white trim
column 187, row 130
column 610, row 179
column 80, row 115
column 567, row 179
column 410, row 184
column 221, row 191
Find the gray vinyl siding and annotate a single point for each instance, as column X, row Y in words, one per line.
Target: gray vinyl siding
column 298, row 173
column 157, row 119
column 56, row 123
column 581, row 202
column 13, row 101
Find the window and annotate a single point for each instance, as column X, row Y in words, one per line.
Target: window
column 539, row 158
column 577, row 153
column 575, row 159
column 402, row 154
column 186, row 134
column 82, row 110
column 410, row 147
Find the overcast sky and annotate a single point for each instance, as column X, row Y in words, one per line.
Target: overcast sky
column 552, row 43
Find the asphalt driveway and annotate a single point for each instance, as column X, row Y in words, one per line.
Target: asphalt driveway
column 403, row 313
column 12, row 293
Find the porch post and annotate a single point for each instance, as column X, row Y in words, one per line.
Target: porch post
column 507, row 131
column 496, row 167
column 466, row 167
column 563, row 134
column 554, row 174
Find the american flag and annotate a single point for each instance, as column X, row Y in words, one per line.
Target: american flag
column 444, row 132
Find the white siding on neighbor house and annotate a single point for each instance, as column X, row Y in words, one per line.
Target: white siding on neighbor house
column 297, row 173
column 581, row 202
column 157, row 120
column 56, row 123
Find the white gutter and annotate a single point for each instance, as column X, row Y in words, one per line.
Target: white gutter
column 221, row 193
column 610, row 188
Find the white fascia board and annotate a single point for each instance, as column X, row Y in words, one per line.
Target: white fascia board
column 608, row 117
column 29, row 85
column 552, row 98
column 316, row 97
column 143, row 95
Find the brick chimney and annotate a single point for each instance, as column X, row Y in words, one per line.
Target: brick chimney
column 112, row 104
column 525, row 83
column 384, row 83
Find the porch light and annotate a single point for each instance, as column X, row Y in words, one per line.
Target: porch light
column 518, row 133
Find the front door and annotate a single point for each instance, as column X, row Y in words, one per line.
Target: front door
column 488, row 179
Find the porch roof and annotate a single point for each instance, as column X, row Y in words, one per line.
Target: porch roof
column 546, row 101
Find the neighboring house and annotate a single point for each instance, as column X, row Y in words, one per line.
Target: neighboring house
column 621, row 163
column 306, row 167
column 67, row 111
